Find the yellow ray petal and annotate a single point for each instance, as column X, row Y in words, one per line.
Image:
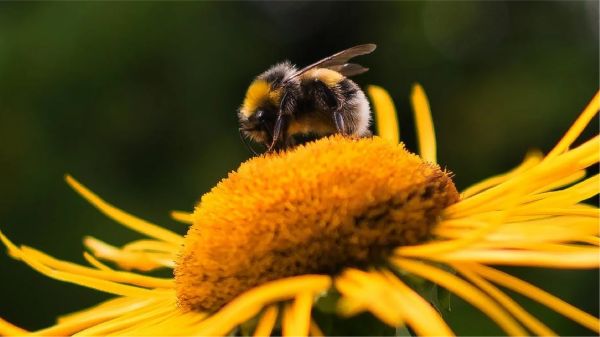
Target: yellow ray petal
column 287, row 320
column 573, row 178
column 140, row 260
column 315, row 330
column 465, row 290
column 362, row 291
column 585, row 258
column 557, row 247
column 177, row 322
column 552, row 229
column 85, row 281
column 386, row 119
column 592, row 240
column 95, row 263
column 516, row 189
column 129, row 303
column 152, row 246
column 538, row 295
column 183, row 217
column 267, row 321
column 91, row 319
column 568, row 196
column 424, row 124
column 391, row 301
column 8, row 329
column 248, row 304
column 419, row 314
column 300, row 315
column 531, row 159
column 71, row 327
column 123, row 217
column 125, row 317
column 575, row 130
column 348, row 307
column 109, row 275
column 554, row 226
column 515, row 309
column 438, row 247
column 575, row 210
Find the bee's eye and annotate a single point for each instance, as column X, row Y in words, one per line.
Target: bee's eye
column 263, row 116
column 260, row 115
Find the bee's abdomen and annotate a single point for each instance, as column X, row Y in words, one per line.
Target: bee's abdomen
column 355, row 108
column 325, row 91
column 348, row 88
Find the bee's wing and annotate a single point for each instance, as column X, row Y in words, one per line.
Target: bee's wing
column 349, row 69
column 339, row 61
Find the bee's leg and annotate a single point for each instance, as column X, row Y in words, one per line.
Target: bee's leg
column 328, row 101
column 340, row 125
column 280, row 132
column 286, row 111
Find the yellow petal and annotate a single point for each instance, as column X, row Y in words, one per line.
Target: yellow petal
column 515, row 309
column 315, row 330
column 8, row 329
column 267, row 321
column 531, row 159
column 86, row 281
column 124, row 218
column 575, row 130
column 301, row 314
column 130, row 259
column 363, row 291
column 110, row 275
column 584, row 258
column 424, row 124
column 252, row 301
column 183, row 217
column 539, row 296
column 418, row 313
column 465, row 290
column 385, row 114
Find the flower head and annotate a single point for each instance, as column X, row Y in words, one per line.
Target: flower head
column 362, row 218
column 315, row 209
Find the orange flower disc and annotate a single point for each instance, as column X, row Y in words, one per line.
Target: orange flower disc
column 330, row 204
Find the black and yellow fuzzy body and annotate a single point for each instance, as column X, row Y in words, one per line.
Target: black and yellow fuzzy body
column 318, row 100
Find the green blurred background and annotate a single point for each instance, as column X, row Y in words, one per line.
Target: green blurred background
column 138, row 101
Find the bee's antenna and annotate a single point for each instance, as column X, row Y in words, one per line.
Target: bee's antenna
column 245, row 141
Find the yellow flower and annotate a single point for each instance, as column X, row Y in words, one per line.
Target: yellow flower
column 357, row 217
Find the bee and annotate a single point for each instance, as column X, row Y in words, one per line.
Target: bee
column 319, row 99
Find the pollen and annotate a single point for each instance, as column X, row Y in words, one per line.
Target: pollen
column 334, row 203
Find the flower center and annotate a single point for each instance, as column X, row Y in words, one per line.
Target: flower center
column 333, row 203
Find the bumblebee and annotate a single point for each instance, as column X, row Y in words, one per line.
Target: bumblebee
column 319, row 99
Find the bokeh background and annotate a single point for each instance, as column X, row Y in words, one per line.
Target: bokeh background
column 138, row 101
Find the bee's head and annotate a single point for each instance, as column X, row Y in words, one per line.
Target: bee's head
column 261, row 104
column 259, row 111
